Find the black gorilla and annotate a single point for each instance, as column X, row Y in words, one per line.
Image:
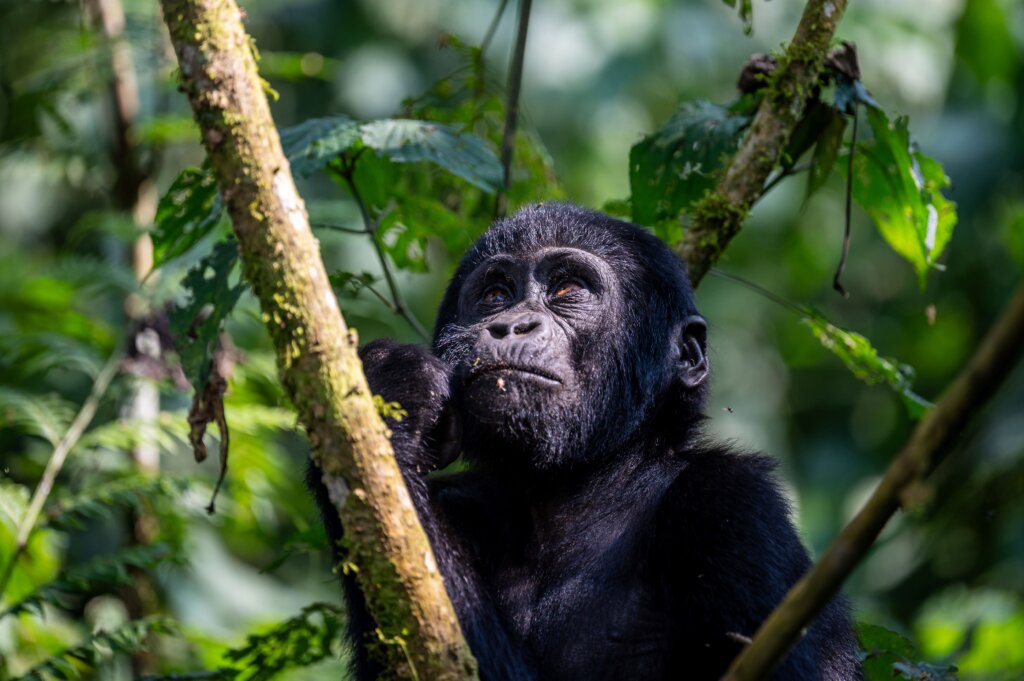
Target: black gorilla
column 597, row 536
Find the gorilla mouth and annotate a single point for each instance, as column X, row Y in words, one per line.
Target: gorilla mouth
column 532, row 372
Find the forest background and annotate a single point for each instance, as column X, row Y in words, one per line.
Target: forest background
column 117, row 544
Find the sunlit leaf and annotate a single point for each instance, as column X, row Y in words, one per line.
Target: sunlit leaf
column 901, row 189
column 99, row 647
column 189, row 210
column 410, row 141
column 887, row 655
column 211, row 298
column 310, row 145
column 861, row 358
column 673, row 168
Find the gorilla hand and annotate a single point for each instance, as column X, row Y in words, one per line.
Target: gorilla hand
column 426, row 435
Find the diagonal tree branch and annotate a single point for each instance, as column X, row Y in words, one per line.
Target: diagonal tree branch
column 718, row 217
column 316, row 353
column 929, row 444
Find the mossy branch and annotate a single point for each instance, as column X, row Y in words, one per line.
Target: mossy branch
column 929, row 444
column 719, row 216
column 316, row 353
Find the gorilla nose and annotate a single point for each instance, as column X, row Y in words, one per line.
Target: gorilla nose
column 516, row 327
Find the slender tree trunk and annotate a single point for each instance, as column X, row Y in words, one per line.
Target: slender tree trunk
column 316, row 352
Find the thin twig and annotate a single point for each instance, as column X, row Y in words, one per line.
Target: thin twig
column 757, row 288
column 56, row 462
column 514, row 84
column 929, row 444
column 782, row 175
column 836, row 283
column 398, row 305
column 338, row 228
column 486, row 42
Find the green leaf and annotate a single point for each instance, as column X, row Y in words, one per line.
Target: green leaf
column 861, row 358
column 198, row 323
column 71, row 512
column 901, row 189
column 826, row 151
column 47, row 416
column 312, row 636
column 312, row 144
column 411, row 141
column 746, row 12
column 887, row 655
column 106, row 571
column 189, row 210
column 673, row 168
column 101, row 646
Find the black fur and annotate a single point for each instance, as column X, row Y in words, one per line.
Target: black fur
column 598, row 536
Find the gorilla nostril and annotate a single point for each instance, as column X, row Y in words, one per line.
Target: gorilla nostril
column 525, row 326
column 498, row 330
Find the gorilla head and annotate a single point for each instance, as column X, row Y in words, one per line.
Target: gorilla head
column 567, row 331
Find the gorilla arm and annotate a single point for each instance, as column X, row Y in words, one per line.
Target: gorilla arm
column 727, row 552
column 423, row 440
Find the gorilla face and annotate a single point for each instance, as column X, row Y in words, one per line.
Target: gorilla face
column 563, row 329
column 533, row 326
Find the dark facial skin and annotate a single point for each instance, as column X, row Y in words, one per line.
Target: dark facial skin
column 529, row 323
column 597, row 534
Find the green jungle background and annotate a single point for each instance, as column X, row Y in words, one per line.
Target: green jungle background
column 127, row 576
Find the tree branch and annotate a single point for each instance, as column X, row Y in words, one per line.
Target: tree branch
column 515, row 82
column 929, row 444
column 316, row 353
column 718, row 217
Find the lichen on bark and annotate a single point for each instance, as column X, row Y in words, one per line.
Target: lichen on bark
column 743, row 180
column 316, row 353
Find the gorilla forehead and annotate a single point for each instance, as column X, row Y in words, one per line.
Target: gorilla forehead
column 647, row 268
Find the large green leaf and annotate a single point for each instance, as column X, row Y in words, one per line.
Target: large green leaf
column 312, row 144
column 189, row 210
column 888, row 655
column 410, row 141
column 861, row 358
column 901, row 189
column 198, row 322
column 674, row 167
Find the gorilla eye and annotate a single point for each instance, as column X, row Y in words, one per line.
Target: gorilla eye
column 566, row 287
column 497, row 295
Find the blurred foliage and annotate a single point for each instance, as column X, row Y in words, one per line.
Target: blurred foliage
column 392, row 115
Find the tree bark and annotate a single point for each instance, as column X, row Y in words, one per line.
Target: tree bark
column 719, row 216
column 929, row 444
column 316, row 353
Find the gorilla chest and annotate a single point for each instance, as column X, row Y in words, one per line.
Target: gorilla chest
column 587, row 610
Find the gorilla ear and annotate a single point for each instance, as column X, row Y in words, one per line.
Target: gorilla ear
column 690, row 351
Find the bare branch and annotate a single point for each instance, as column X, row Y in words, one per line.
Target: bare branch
column 929, row 444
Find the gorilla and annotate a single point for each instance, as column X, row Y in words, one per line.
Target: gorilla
column 596, row 534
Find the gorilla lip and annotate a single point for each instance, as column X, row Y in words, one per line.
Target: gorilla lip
column 532, row 371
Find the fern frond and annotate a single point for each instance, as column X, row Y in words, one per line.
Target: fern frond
column 127, row 434
column 47, row 416
column 312, row 636
column 105, row 571
column 72, row 511
column 102, row 645
column 90, row 274
column 31, row 354
column 254, row 419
